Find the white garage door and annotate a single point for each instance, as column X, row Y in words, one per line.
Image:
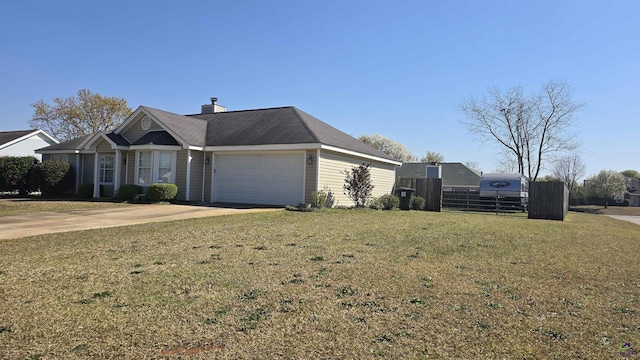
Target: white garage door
column 259, row 179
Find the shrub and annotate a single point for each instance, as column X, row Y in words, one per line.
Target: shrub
column 385, row 202
column 417, row 203
column 318, row 199
column 14, row 173
column 127, row 191
column 162, row 192
column 357, row 184
column 52, row 177
column 85, row 191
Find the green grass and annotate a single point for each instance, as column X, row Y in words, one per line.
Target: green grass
column 330, row 284
column 29, row 205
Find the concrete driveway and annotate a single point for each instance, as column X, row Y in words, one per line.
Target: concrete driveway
column 31, row 224
column 629, row 218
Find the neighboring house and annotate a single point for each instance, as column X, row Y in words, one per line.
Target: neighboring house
column 634, row 199
column 634, row 185
column 275, row 156
column 455, row 176
column 24, row 142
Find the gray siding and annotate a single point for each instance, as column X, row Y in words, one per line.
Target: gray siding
column 102, row 146
column 332, row 174
column 310, row 178
column 134, row 131
column 181, row 173
column 207, row 175
column 196, row 176
column 87, row 170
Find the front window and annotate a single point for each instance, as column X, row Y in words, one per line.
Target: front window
column 156, row 166
column 144, row 167
column 164, row 166
column 106, row 168
column 60, row 157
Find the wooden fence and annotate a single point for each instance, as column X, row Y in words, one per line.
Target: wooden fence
column 429, row 189
column 548, row 200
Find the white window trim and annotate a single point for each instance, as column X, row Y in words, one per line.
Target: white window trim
column 100, row 169
column 155, row 166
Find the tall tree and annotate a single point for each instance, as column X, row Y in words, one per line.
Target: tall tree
column 607, row 184
column 569, row 169
column 388, row 146
column 432, row 157
column 531, row 128
column 631, row 173
column 75, row 116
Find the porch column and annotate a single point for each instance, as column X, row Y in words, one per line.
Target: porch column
column 96, row 176
column 117, row 169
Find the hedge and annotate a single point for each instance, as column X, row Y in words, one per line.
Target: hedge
column 52, row 177
column 162, row 192
column 15, row 172
column 127, row 191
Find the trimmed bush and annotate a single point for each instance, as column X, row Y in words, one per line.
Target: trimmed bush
column 52, row 177
column 162, row 192
column 85, row 191
column 417, row 202
column 14, row 173
column 127, row 191
column 385, row 202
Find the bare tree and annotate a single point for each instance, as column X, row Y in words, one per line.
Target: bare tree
column 473, row 165
column 389, row 147
column 531, row 128
column 569, row 169
column 432, row 157
column 72, row 117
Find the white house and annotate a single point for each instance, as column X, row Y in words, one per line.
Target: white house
column 24, row 142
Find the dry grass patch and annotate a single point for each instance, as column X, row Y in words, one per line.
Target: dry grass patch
column 332, row 284
column 30, row 205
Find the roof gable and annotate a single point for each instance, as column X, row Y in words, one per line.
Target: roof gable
column 10, row 137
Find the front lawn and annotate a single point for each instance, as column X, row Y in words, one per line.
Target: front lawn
column 336, row 284
column 15, row 206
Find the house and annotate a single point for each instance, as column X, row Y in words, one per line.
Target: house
column 24, row 142
column 455, row 176
column 275, row 156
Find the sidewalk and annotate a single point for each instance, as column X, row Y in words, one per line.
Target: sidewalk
column 23, row 225
column 629, row 218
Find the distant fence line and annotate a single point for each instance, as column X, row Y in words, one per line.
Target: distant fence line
column 429, row 189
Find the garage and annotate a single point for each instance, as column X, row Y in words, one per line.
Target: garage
column 266, row 179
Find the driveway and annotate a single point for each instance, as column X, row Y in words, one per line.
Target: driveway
column 23, row 225
column 629, row 218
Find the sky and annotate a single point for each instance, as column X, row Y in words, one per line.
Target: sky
column 401, row 69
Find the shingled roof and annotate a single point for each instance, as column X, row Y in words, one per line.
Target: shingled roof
column 283, row 125
column 8, row 136
column 73, row 144
column 272, row 126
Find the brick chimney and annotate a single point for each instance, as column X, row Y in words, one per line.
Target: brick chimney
column 213, row 107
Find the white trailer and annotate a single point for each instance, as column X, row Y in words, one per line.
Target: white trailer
column 510, row 188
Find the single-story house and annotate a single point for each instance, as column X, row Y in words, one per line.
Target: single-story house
column 455, row 175
column 24, row 142
column 274, row 156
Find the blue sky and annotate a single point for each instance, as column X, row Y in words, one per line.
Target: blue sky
column 400, row 69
